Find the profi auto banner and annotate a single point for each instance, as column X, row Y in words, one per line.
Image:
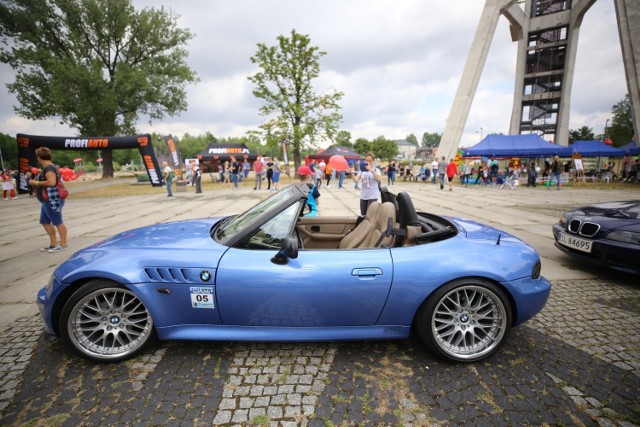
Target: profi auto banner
column 27, row 145
column 174, row 156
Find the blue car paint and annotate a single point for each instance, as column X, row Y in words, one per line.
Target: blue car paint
column 178, row 245
column 419, row 270
column 273, row 333
column 321, row 295
column 320, row 288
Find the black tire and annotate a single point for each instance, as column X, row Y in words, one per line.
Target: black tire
column 466, row 320
column 104, row 322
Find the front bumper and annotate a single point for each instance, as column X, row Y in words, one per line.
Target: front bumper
column 608, row 253
column 45, row 311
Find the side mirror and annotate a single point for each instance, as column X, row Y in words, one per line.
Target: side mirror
column 289, row 250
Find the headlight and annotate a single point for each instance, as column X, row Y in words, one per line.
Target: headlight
column 50, row 282
column 564, row 219
column 535, row 273
column 624, row 236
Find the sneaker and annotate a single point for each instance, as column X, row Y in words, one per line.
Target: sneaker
column 46, row 248
column 13, row 198
column 57, row 248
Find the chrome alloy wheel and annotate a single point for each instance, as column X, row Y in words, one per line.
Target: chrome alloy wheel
column 109, row 323
column 469, row 322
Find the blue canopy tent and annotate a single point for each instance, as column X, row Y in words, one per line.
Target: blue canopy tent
column 530, row 145
column 630, row 149
column 594, row 148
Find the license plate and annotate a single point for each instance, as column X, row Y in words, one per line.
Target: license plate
column 575, row 242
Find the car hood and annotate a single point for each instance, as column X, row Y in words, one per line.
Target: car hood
column 171, row 235
column 622, row 211
column 477, row 231
column 127, row 256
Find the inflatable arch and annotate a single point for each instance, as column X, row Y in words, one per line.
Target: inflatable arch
column 27, row 145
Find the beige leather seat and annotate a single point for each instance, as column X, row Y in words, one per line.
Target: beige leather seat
column 386, row 211
column 358, row 235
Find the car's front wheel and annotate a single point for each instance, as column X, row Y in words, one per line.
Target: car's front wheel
column 465, row 321
column 105, row 322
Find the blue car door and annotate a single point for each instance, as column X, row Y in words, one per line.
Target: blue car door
column 320, row 288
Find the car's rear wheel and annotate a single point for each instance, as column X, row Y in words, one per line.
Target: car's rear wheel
column 105, row 322
column 466, row 320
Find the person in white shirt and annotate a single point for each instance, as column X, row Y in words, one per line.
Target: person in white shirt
column 369, row 178
column 434, row 170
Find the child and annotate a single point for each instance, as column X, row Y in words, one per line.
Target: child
column 304, row 172
column 7, row 185
column 319, row 176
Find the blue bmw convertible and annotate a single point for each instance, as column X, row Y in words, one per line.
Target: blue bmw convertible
column 273, row 274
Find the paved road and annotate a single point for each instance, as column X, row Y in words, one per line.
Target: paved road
column 576, row 363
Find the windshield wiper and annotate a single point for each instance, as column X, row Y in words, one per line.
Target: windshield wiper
column 219, row 225
column 617, row 212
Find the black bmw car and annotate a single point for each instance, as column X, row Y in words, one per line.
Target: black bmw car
column 605, row 233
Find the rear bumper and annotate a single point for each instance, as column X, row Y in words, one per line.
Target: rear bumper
column 531, row 295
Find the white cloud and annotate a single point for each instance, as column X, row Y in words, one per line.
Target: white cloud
column 399, row 65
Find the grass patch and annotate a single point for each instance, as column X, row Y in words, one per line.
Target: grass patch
column 53, row 421
column 261, row 420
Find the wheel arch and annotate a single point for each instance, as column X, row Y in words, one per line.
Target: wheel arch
column 511, row 301
column 66, row 293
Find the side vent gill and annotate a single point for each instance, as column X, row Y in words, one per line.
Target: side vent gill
column 163, row 274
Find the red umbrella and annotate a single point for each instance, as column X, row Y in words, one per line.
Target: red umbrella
column 338, row 163
column 608, row 141
column 78, row 160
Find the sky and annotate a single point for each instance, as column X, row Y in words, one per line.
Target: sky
column 398, row 64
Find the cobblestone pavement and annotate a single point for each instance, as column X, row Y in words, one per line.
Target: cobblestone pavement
column 576, row 363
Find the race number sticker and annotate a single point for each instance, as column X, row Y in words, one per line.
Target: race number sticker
column 201, row 297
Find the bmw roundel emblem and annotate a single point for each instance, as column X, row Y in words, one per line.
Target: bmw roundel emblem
column 205, row 275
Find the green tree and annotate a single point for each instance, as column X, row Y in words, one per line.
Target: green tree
column 96, row 65
column 621, row 129
column 431, row 139
column 296, row 114
column 9, row 151
column 585, row 133
column 343, row 138
column 363, row 146
column 412, row 139
column 384, row 148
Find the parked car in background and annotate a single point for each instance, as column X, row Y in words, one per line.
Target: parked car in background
column 272, row 274
column 605, row 233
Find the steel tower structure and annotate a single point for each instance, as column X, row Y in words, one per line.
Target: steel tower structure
column 547, row 35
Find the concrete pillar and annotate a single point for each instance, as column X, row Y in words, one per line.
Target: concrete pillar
column 628, row 14
column 522, row 25
column 470, row 77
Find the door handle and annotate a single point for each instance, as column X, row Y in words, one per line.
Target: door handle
column 366, row 272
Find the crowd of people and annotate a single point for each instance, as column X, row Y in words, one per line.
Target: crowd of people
column 367, row 177
column 442, row 172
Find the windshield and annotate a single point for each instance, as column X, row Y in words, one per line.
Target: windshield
column 238, row 223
